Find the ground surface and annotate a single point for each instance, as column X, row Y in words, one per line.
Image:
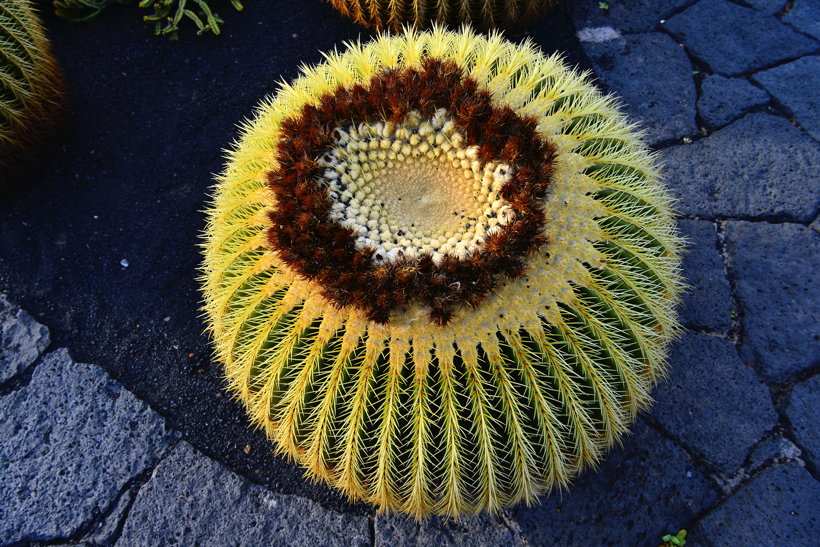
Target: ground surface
column 144, row 447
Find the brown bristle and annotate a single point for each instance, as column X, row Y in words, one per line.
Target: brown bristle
column 317, row 247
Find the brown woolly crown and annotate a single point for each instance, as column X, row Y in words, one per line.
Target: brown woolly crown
column 320, row 249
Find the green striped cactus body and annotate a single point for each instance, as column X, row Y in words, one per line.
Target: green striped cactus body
column 30, row 84
column 441, row 271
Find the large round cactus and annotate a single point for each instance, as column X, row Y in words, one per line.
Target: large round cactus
column 30, row 84
column 440, row 271
column 390, row 14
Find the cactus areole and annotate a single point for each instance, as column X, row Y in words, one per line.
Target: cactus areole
column 440, row 272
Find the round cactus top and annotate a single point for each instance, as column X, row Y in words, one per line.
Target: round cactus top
column 440, row 271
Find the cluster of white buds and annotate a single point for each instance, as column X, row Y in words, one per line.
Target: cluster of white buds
column 414, row 188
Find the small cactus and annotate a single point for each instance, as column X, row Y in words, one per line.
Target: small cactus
column 31, row 86
column 390, row 14
column 440, row 272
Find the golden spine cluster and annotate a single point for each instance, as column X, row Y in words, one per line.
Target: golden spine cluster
column 512, row 396
column 394, row 14
column 31, row 86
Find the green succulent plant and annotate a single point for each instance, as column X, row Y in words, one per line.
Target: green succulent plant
column 392, row 14
column 440, row 272
column 166, row 15
column 31, row 86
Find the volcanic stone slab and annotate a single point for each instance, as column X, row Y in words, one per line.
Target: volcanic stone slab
column 632, row 16
column 774, row 450
column 22, row 340
column 107, row 531
column 640, row 492
column 758, row 166
column 802, row 413
column 713, row 402
column 805, row 17
column 723, row 100
column 769, row 7
column 777, row 267
column 734, row 40
column 472, row 531
column 797, row 86
column 653, row 76
column 192, row 500
column 778, row 507
column 708, row 302
column 72, row 439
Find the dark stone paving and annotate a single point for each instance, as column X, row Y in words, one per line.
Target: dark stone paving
column 734, row 40
column 729, row 451
column 469, row 532
column 777, row 508
column 774, row 450
column 796, row 85
column 708, row 305
column 72, row 439
column 723, row 100
column 777, row 267
column 769, row 7
column 638, row 494
column 706, row 373
column 803, row 413
column 22, row 340
column 759, row 166
column 805, row 17
column 192, row 500
column 632, row 16
column 653, row 76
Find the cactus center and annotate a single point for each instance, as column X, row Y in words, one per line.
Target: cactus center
column 414, row 189
column 413, row 186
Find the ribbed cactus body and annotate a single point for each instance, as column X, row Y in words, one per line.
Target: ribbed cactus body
column 393, row 14
column 30, row 83
column 416, row 389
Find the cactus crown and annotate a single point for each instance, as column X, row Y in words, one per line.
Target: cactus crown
column 30, row 82
column 389, row 14
column 440, row 271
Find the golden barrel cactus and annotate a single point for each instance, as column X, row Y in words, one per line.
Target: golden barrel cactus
column 394, row 14
column 440, row 271
column 31, row 86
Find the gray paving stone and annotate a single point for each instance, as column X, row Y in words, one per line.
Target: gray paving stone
column 72, row 439
column 758, row 166
column 640, row 493
column 22, row 340
column 796, row 86
column 708, row 303
column 805, row 17
column 777, row 269
column 713, row 402
column 192, row 500
column 631, row 16
column 802, row 412
column 776, row 449
column 734, row 40
column 776, row 508
column 723, row 100
column 653, row 76
column 105, row 532
column 769, row 7
column 471, row 531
